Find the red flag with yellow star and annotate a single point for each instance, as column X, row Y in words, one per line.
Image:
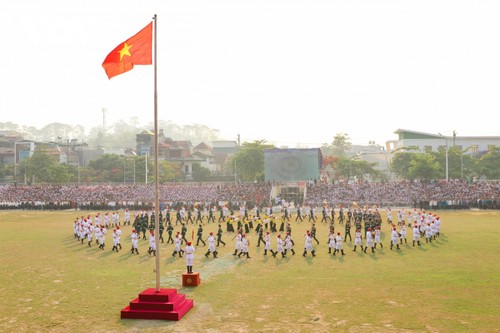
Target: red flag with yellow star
column 137, row 50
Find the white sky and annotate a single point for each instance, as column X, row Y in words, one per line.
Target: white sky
column 283, row 71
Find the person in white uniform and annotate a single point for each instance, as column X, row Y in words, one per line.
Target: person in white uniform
column 189, row 250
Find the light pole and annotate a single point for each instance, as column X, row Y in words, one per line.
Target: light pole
column 446, row 154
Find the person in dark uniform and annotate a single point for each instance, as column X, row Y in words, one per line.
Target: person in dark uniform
column 299, row 214
column 183, row 233
column 333, row 214
column 272, row 225
column 170, row 230
column 211, row 215
column 221, row 216
column 286, row 215
column 178, row 217
column 313, row 233
column 261, row 237
column 199, row 235
column 219, row 236
column 167, row 216
column 198, row 216
column 289, row 229
column 341, row 215
column 311, row 215
column 152, row 223
column 347, row 231
column 137, row 222
column 144, row 226
column 161, row 227
column 190, row 216
column 349, row 215
column 324, row 213
column 282, row 225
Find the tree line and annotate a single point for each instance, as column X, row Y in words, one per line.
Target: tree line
column 247, row 164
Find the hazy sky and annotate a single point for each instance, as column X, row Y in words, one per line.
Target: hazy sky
column 284, row 71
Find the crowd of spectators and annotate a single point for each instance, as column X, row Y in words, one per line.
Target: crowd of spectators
column 97, row 196
column 438, row 194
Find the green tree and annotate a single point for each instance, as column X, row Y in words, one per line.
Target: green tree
column 169, row 172
column 44, row 167
column 248, row 161
column 350, row 168
column 400, row 164
column 339, row 147
column 108, row 168
column 201, row 174
column 424, row 166
column 489, row 164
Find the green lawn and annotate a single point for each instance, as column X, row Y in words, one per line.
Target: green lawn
column 51, row 283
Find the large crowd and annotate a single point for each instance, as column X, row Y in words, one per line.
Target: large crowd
column 367, row 224
column 435, row 195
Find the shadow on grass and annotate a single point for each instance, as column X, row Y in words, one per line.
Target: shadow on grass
column 400, row 253
column 421, row 248
column 105, row 253
column 341, row 258
column 142, row 324
column 309, row 260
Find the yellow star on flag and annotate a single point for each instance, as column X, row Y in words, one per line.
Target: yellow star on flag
column 125, row 51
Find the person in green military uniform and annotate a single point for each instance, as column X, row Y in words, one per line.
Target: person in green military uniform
column 167, row 216
column 198, row 215
column 211, row 216
column 170, row 230
column 184, row 232
column 161, row 228
column 152, row 222
column 178, row 217
column 189, row 216
column 144, row 226
column 261, row 237
column 219, row 236
column 199, row 235
column 347, row 231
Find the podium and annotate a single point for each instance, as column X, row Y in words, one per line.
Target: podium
column 191, row 279
column 165, row 304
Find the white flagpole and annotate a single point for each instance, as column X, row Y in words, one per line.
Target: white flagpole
column 157, row 206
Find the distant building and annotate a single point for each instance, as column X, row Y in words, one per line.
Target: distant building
column 14, row 149
column 421, row 142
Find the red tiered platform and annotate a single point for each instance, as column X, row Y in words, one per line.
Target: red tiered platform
column 166, row 304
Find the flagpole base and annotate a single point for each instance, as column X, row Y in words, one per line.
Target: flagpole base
column 165, row 304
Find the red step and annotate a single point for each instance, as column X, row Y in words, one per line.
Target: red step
column 165, row 304
column 137, row 304
column 150, row 295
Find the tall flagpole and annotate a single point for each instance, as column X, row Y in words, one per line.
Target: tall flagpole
column 157, row 215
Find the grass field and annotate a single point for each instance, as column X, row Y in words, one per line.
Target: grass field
column 51, row 283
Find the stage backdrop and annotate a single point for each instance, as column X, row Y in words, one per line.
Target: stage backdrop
column 286, row 165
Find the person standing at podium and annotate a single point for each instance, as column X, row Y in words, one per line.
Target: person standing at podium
column 189, row 251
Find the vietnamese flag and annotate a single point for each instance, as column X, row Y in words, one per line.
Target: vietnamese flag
column 137, row 50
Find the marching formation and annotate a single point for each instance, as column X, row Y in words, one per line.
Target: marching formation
column 266, row 225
